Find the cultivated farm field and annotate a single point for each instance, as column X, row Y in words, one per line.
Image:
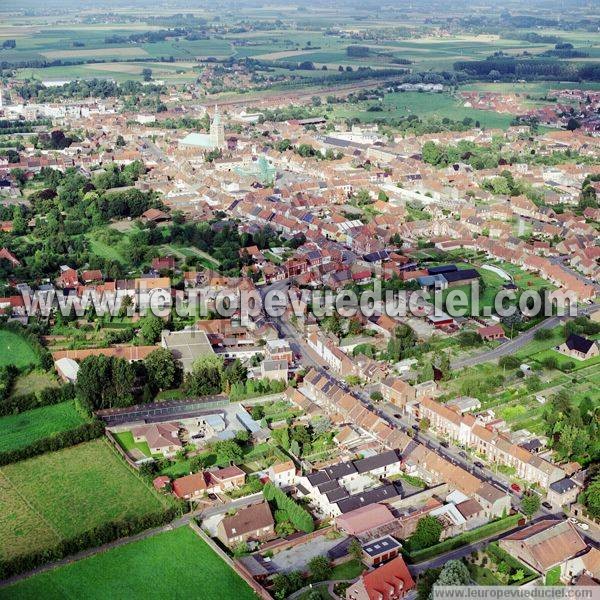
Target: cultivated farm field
column 61, row 494
column 175, row 564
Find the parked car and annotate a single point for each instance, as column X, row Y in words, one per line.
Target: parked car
column 444, row 444
column 573, row 520
column 462, row 454
column 479, row 464
column 583, row 526
column 547, row 505
column 515, row 488
column 415, row 427
column 397, row 415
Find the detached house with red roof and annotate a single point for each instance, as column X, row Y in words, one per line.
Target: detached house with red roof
column 195, row 486
column 388, row 582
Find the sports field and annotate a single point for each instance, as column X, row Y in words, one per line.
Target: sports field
column 60, row 494
column 15, row 350
column 176, row 564
column 23, row 429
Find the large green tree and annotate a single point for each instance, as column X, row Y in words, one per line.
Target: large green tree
column 162, row 369
column 206, row 377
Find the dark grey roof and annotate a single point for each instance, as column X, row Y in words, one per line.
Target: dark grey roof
column 337, row 494
column 579, row 343
column 442, row 269
column 341, row 470
column 376, row 462
column 380, row 494
column 327, row 486
column 380, row 546
column 562, row 486
column 317, row 478
column 460, row 275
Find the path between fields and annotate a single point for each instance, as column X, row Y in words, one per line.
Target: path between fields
column 181, row 522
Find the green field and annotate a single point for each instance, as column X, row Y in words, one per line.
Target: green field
column 175, row 564
column 424, row 105
column 61, row 494
column 15, row 350
column 23, row 429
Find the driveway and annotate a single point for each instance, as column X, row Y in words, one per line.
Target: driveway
column 298, row 557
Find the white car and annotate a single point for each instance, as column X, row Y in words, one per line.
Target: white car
column 573, row 520
column 583, row 526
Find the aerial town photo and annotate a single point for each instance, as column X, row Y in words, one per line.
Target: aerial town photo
column 299, row 300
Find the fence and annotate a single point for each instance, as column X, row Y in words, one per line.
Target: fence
column 234, row 564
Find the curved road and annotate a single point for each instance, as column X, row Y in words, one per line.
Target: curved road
column 515, row 344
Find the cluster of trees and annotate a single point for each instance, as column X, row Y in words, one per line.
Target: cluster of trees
column 285, row 584
column 8, row 126
column 588, row 196
column 112, row 382
column 81, row 88
column 299, row 517
column 479, row 157
column 572, row 429
column 114, row 176
column 105, row 382
column 51, row 395
column 402, row 344
column 146, row 37
column 357, row 51
column 590, row 497
column 509, row 68
column 299, row 440
column 72, row 205
column 56, row 140
column 220, row 239
column 454, row 572
column 206, row 377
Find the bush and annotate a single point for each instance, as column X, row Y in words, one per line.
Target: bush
column 45, row 397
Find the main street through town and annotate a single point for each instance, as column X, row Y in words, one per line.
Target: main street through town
column 390, row 413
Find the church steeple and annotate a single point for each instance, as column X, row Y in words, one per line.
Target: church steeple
column 217, row 130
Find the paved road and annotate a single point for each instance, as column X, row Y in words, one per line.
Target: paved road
column 458, row 553
column 512, row 346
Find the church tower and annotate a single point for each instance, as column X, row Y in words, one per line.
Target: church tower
column 217, row 131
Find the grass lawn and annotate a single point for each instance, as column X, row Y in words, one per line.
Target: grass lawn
column 35, row 381
column 15, row 350
column 348, row 570
column 125, row 439
column 61, row 494
column 175, row 564
column 21, row 430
